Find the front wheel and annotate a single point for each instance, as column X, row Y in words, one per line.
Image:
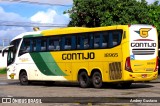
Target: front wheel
column 84, row 80
column 97, row 80
column 23, row 78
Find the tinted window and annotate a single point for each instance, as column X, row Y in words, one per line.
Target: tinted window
column 43, row 44
column 54, row 43
column 34, row 45
column 115, row 37
column 94, row 40
column 15, row 43
column 67, row 43
column 12, row 51
column 25, row 47
column 97, row 39
column 78, row 40
column 105, row 39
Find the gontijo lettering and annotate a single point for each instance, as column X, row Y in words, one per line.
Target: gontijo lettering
column 143, row 44
column 78, row 56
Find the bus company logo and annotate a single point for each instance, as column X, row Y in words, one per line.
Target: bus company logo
column 143, row 32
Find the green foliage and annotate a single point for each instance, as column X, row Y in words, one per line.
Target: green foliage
column 154, row 15
column 95, row 13
column 3, row 71
column 86, row 13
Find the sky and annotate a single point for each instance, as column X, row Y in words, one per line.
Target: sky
column 25, row 12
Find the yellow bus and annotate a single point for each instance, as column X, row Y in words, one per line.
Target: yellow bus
column 120, row 54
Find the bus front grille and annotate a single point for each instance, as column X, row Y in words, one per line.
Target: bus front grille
column 115, row 71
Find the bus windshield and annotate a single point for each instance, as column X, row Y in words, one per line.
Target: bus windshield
column 11, row 55
column 12, row 51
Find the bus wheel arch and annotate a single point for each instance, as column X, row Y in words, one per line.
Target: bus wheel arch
column 96, row 77
column 23, row 77
column 83, row 78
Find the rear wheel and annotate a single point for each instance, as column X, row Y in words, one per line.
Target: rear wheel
column 84, row 80
column 23, row 78
column 97, row 80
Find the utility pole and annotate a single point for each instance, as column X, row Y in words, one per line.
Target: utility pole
column 3, row 41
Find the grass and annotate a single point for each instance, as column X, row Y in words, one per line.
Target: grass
column 2, row 70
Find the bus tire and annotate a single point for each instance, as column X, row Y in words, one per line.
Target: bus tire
column 23, row 78
column 97, row 80
column 126, row 85
column 84, row 80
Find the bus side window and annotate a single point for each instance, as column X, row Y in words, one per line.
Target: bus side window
column 38, row 44
column 25, row 47
column 105, row 39
column 116, row 37
column 54, row 43
column 85, row 41
column 43, row 44
column 78, row 42
column 97, row 40
column 57, row 43
column 67, row 44
column 51, row 44
column 34, row 45
column 73, row 44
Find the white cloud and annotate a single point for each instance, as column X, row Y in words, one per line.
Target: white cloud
column 50, row 16
column 10, row 16
column 10, row 32
column 61, row 2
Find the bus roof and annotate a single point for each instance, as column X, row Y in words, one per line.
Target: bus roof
column 67, row 30
column 25, row 34
column 72, row 30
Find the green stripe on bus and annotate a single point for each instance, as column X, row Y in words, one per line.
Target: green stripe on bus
column 34, row 35
column 46, row 64
column 51, row 63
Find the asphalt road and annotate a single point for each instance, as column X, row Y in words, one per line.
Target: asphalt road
column 9, row 88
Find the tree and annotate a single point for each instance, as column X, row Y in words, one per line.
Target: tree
column 95, row 13
column 154, row 15
column 120, row 12
column 85, row 13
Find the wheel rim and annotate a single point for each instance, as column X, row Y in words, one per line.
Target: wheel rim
column 24, row 79
column 83, row 79
column 97, row 80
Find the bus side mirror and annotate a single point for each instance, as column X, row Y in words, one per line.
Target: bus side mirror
column 3, row 51
column 2, row 54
